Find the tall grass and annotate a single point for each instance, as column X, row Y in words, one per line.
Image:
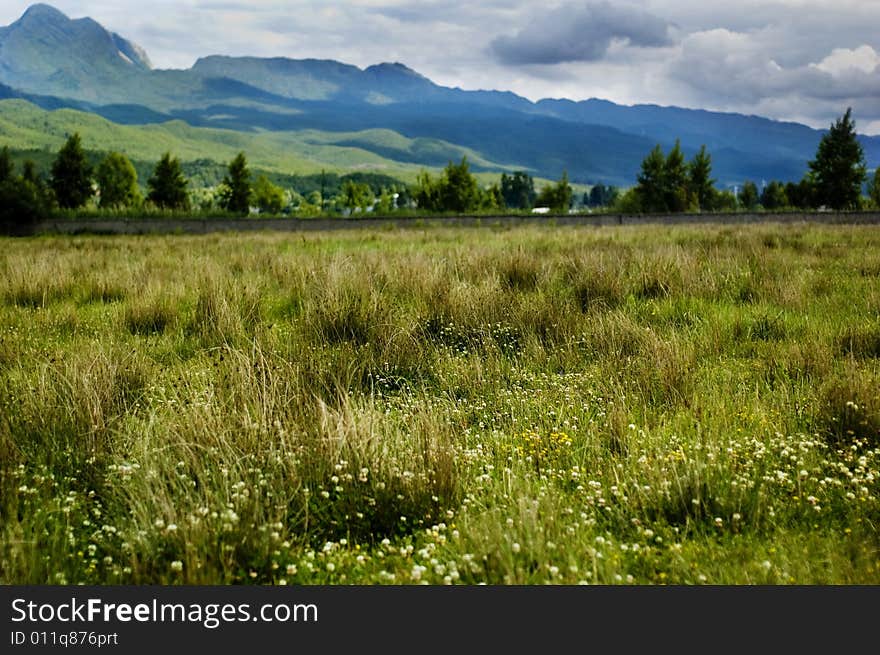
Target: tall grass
column 515, row 406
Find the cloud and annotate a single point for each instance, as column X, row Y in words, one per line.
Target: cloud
column 585, row 33
column 844, row 60
column 737, row 71
column 721, row 63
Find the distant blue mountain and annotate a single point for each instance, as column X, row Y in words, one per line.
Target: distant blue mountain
column 56, row 62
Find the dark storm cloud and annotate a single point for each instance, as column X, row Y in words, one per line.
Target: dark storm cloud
column 571, row 34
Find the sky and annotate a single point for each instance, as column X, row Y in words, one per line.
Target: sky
column 799, row 60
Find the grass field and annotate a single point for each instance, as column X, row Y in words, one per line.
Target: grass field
column 642, row 405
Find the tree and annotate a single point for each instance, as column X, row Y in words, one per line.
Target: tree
column 21, row 202
column 23, row 199
column 235, row 190
column 491, row 198
column 650, row 187
column 874, row 191
column 29, row 173
column 628, row 202
column 356, row 195
column 6, row 166
column 748, row 197
column 385, row 203
column 670, row 184
column 459, row 191
column 427, row 192
column 168, row 186
column 601, row 196
column 839, row 167
column 268, row 197
column 518, row 190
column 773, row 196
column 455, row 191
column 700, row 180
column 556, row 196
column 675, row 181
column 117, row 181
column 723, row 201
column 71, row 175
column 800, row 195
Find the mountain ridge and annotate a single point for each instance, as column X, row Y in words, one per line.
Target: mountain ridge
column 53, row 60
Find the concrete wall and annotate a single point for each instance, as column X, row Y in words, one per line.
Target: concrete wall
column 206, row 226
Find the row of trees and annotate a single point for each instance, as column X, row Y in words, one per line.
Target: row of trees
column 669, row 184
column 113, row 184
column 457, row 190
column 834, row 179
column 73, row 182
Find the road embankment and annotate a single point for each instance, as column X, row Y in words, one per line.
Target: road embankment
column 209, row 225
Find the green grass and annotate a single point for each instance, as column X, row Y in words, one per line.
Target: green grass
column 534, row 405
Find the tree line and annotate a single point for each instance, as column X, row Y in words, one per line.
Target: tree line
column 666, row 183
column 74, row 183
column 834, row 180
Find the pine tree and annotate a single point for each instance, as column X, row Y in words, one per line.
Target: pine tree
column 700, row 180
column 675, row 181
column 650, row 187
column 839, row 167
column 168, row 185
column 235, row 191
column 71, row 175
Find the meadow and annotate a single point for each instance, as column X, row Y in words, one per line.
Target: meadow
column 626, row 405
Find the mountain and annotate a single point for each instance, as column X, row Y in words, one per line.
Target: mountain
column 53, row 61
column 46, row 52
column 776, row 141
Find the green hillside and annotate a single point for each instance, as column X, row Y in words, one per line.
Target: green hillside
column 24, row 126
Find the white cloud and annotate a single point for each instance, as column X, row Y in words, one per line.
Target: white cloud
column 843, row 60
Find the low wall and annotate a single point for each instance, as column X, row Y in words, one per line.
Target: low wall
column 208, row 225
